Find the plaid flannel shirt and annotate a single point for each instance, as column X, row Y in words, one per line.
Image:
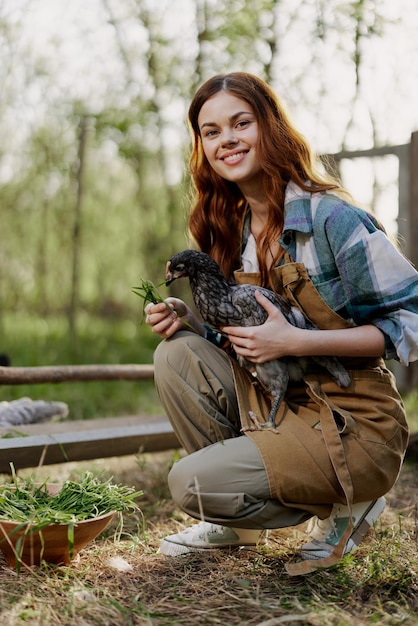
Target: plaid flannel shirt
column 356, row 269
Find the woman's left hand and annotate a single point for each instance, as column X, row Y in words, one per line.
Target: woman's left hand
column 271, row 340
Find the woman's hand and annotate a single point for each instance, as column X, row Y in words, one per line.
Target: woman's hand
column 277, row 338
column 168, row 317
column 271, row 340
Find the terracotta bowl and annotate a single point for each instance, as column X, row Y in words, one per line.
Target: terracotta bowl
column 51, row 543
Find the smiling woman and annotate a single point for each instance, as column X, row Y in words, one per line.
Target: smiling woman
column 257, row 184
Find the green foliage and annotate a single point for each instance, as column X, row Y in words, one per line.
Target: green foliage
column 24, row 500
column 31, row 341
column 148, row 292
column 411, row 405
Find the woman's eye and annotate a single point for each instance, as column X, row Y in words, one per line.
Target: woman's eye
column 242, row 123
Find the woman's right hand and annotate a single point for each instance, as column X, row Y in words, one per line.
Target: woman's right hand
column 166, row 318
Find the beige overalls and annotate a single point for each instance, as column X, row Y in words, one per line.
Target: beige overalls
column 363, row 426
column 330, row 445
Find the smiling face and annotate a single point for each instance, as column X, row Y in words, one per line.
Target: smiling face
column 229, row 133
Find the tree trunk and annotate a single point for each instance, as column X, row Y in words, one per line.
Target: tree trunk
column 76, row 236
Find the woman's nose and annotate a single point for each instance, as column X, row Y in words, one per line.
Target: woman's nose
column 229, row 139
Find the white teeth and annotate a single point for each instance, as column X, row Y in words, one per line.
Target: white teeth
column 234, row 157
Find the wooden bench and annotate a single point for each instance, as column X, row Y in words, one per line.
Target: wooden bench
column 59, row 442
column 48, row 443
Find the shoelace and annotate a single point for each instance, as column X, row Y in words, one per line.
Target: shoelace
column 319, row 529
column 204, row 529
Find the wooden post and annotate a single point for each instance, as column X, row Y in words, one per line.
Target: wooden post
column 413, row 230
column 413, row 199
column 407, row 378
column 403, row 220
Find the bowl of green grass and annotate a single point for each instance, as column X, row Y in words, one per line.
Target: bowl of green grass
column 54, row 522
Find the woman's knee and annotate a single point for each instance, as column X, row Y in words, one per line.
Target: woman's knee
column 194, row 493
column 220, row 474
column 172, row 352
column 192, row 478
column 179, row 483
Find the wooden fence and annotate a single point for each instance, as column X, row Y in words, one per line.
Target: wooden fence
column 47, row 443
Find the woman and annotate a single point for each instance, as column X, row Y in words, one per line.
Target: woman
column 268, row 216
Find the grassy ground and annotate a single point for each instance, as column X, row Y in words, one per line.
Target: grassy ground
column 121, row 580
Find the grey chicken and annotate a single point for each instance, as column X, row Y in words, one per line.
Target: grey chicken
column 222, row 303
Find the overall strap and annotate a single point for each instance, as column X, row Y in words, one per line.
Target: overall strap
column 336, row 453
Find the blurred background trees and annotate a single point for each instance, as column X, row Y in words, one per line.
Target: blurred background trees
column 94, row 190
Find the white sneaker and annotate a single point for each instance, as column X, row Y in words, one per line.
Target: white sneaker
column 325, row 534
column 207, row 536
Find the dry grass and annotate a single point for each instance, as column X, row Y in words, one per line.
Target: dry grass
column 120, row 580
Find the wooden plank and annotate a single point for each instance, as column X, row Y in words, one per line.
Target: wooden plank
column 73, row 373
column 45, row 428
column 85, row 440
column 368, row 153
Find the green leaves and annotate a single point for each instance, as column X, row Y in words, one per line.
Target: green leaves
column 23, row 500
column 148, row 292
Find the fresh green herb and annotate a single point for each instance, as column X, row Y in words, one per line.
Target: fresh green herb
column 23, row 500
column 149, row 293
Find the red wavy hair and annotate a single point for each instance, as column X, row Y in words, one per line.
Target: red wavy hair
column 217, row 214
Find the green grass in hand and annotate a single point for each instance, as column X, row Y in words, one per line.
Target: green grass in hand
column 150, row 294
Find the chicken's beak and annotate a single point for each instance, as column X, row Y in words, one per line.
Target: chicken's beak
column 168, row 274
column 172, row 275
